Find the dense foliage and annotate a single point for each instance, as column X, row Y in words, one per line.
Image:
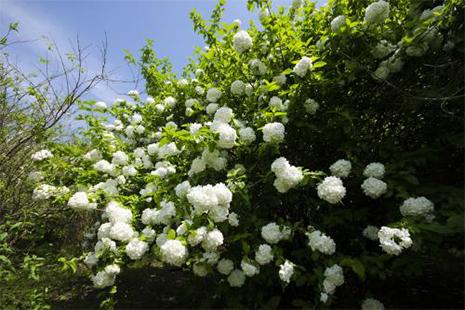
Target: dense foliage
column 306, row 160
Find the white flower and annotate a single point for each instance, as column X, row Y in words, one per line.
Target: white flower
column 237, row 88
column 148, row 234
column 91, row 259
column 200, row 269
column 120, row 158
column 233, row 219
column 321, row 242
column 93, row 155
column 287, row 176
column 121, row 231
column 334, row 277
column 420, row 206
column 169, row 102
column 273, row 132
column 105, row 167
column 197, row 236
column 100, row 105
column 129, row 171
column 183, row 83
column 182, row 189
column 341, row 168
column 79, row 201
column 191, row 102
column 247, row 135
column 280, row 79
column 136, row 118
column 225, row 266
column 136, row 248
column 133, row 93
column 237, row 23
column 277, row 104
column 167, row 150
column 236, row 278
column 271, row 233
column 371, row 232
column 242, row 41
column 377, row 12
column 258, row 67
column 286, row 271
column 194, row 128
column 249, row 269
column 174, row 252
column 311, row 106
column 323, row 297
column 331, row 189
column 388, row 238
column 103, row 279
column 43, row 192
column 374, row 188
column 382, row 49
column 41, row 155
column 223, row 115
column 372, row 304
column 264, row 255
column 302, row 67
column 212, row 240
column 375, row 170
column 337, row 23
column 214, row 94
column 211, row 108
column 227, row 135
column 116, row 213
column 149, row 100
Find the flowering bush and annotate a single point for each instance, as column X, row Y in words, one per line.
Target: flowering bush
column 285, row 160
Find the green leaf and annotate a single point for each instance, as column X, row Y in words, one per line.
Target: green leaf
column 171, row 234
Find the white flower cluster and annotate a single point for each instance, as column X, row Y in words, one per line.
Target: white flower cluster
column 311, row 106
column 41, row 155
column 373, row 187
column 388, row 239
column 420, row 206
column 106, row 277
column 277, row 104
column 44, row 192
column 80, row 201
column 214, row 94
column 337, row 23
column 236, row 278
column 258, row 67
column 302, row 67
column 163, row 215
column 238, row 88
column 272, row 233
column 273, row 132
column 213, row 200
column 334, row 277
column 377, row 12
column 341, row 168
column 247, row 135
column 242, row 41
column 249, row 268
column 208, row 159
column 371, row 232
column 287, row 176
column 286, row 271
column 382, row 49
column 331, row 190
column 136, row 248
column 173, row 252
column 372, row 304
column 321, row 242
column 264, row 254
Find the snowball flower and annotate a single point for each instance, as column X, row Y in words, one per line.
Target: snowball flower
column 212, row 240
column 136, row 248
column 371, row 232
column 211, row 108
column 287, row 176
column 197, row 236
column 120, row 158
column 173, row 252
column 375, row 170
column 100, row 105
column 182, row 189
column 264, row 255
column 331, row 190
column 382, row 49
column 129, row 171
column 194, row 128
column 286, row 271
column 334, row 277
column 302, row 67
column 337, row 23
column 258, row 67
column 237, row 88
column 393, row 240
column 277, row 103
column 271, row 233
column 249, row 269
column 41, row 155
column 280, row 79
column 372, row 304
column 247, row 135
column 420, row 206
column 214, row 94
column 79, row 201
column 236, row 278
column 43, row 192
column 273, row 132
column 233, row 219
column 200, row 270
column 116, row 213
column 242, row 41
column 377, row 12
column 103, row 279
column 169, row 102
column 374, row 188
column 133, row 93
column 311, row 106
column 93, row 155
column 225, row 266
column 321, row 242
column 223, row 115
column 341, row 168
column 121, row 231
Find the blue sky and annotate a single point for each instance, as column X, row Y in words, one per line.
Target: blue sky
column 127, row 25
